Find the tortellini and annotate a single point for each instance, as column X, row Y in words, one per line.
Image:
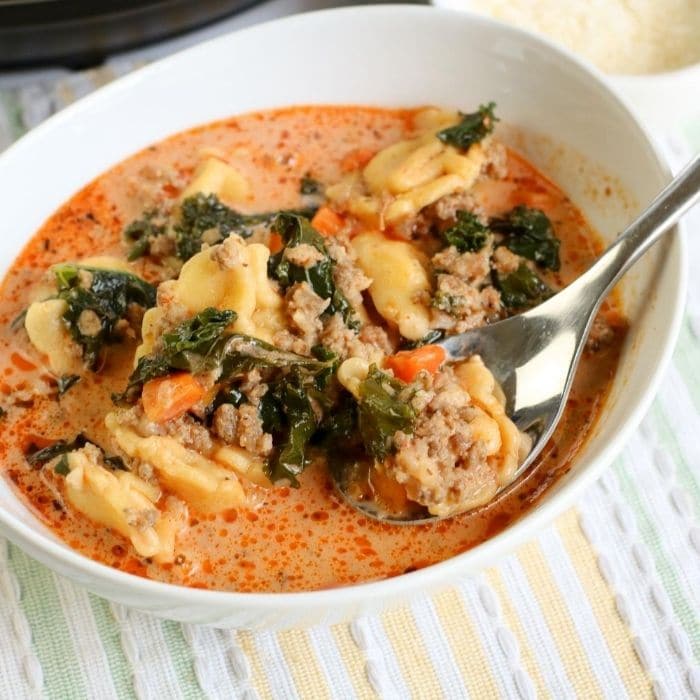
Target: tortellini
column 506, row 447
column 123, row 502
column 231, row 275
column 242, row 286
column 49, row 334
column 409, row 175
column 400, row 281
column 213, row 176
column 198, row 480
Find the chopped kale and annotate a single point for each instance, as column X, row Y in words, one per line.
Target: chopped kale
column 230, row 395
column 244, row 353
column 115, row 462
column 296, row 230
column 298, row 426
column 201, row 213
column 467, row 234
column 65, row 382
column 428, row 339
column 310, row 186
column 18, row 320
column 449, row 303
column 141, row 232
column 203, row 343
column 270, row 412
column 96, row 300
column 62, row 467
column 38, row 458
column 471, row 129
column 321, row 352
column 522, row 288
column 381, row 413
column 528, row 232
column 198, row 344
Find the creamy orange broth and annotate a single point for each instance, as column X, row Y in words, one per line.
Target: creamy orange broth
column 298, row 539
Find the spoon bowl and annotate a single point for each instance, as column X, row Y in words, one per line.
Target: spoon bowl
column 534, row 355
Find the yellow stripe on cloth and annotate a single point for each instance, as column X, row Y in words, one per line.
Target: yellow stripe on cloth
column 616, row 633
column 466, row 645
column 303, row 664
column 411, row 654
column 559, row 622
column 355, row 662
column 512, row 620
column 258, row 680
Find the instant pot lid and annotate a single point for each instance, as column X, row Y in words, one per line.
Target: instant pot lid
column 78, row 33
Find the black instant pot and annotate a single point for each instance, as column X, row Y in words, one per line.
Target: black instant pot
column 78, row 33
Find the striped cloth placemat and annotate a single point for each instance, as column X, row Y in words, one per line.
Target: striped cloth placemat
column 604, row 603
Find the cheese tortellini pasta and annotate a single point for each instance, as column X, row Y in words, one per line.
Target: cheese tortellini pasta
column 198, row 480
column 123, row 502
column 409, row 175
column 400, row 281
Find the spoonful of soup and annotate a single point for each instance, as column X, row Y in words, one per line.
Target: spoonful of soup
column 518, row 371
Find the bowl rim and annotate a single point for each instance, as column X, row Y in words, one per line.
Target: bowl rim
column 86, row 569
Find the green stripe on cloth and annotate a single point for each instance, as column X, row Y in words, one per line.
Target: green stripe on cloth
column 651, row 537
column 182, row 661
column 50, row 637
column 109, row 634
column 684, row 473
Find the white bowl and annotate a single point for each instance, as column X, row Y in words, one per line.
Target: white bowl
column 388, row 56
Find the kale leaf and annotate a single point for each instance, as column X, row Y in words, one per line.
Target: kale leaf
column 104, row 297
column 298, row 426
column 244, row 353
column 65, row 382
column 141, row 232
column 205, row 212
column 522, row 288
column 428, row 339
column 449, row 303
column 471, row 129
column 62, row 466
column 203, row 343
column 198, row 344
column 201, row 213
column 381, row 413
column 297, row 230
column 38, row 458
column 310, row 186
column 467, row 234
column 529, row 233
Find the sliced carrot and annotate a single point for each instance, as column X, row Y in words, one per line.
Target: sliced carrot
column 408, row 363
column 274, row 243
column 356, row 159
column 169, row 397
column 327, row 222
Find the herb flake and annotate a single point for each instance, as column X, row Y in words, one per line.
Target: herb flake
column 471, row 129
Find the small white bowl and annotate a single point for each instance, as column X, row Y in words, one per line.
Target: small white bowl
column 387, row 56
column 664, row 101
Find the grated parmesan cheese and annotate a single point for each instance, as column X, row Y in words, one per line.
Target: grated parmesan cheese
column 619, row 36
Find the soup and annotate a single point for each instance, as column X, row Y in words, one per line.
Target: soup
column 195, row 343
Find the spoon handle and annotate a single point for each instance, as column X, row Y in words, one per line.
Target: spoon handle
column 668, row 207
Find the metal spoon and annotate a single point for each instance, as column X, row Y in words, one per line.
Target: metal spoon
column 534, row 355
